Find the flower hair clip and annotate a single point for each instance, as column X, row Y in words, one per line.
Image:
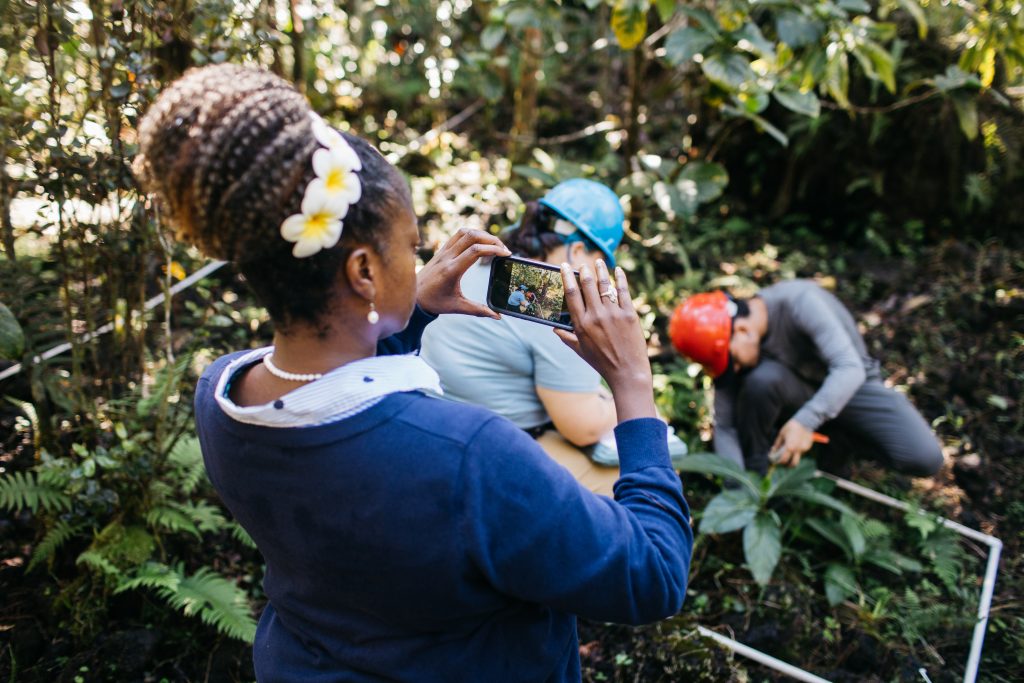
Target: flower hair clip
column 328, row 196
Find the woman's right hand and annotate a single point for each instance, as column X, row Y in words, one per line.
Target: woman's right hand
column 607, row 334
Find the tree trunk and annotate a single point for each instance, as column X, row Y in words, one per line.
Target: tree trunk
column 524, row 123
column 298, row 47
column 635, row 65
column 271, row 13
column 6, row 226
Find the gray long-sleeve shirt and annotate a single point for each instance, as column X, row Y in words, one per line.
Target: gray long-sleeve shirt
column 811, row 333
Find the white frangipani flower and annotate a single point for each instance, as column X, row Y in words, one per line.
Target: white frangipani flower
column 333, row 140
column 328, row 196
column 317, row 227
column 335, row 179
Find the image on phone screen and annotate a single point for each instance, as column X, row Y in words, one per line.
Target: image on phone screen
column 528, row 289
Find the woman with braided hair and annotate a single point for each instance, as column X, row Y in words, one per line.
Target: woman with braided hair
column 405, row 537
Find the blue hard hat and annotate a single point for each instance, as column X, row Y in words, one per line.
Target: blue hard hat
column 593, row 208
column 523, row 287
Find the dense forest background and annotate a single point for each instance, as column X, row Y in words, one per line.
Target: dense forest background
column 875, row 146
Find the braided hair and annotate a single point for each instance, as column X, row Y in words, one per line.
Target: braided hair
column 226, row 151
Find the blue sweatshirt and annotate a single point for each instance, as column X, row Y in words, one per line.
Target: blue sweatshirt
column 424, row 540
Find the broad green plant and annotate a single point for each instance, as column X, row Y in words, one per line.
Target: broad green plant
column 758, row 506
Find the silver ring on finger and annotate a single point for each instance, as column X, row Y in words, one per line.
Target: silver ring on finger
column 612, row 294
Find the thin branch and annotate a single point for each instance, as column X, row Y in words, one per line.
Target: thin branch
column 909, row 102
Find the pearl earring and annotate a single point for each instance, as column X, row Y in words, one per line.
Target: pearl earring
column 372, row 317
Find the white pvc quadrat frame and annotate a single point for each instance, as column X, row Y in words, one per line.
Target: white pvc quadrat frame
column 987, row 588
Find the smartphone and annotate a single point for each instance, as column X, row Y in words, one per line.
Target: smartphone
column 530, row 290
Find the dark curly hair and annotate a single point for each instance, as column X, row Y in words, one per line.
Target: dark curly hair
column 534, row 236
column 227, row 151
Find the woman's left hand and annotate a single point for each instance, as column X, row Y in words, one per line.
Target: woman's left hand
column 438, row 288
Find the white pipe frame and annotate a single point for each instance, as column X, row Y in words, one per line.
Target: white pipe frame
column 984, row 604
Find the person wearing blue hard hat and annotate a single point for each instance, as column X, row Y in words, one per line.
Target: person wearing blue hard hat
column 520, row 369
column 584, row 212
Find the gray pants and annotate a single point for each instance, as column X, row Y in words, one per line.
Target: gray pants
column 890, row 428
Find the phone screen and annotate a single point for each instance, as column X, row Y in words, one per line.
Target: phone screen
column 528, row 289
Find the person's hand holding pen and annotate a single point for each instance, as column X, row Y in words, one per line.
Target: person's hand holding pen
column 792, row 442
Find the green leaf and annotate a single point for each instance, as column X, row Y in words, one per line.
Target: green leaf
column 831, row 532
column 877, row 63
column 629, row 24
column 761, row 122
column 923, row 522
column 709, row 463
column 786, row 479
column 837, row 75
column 891, row 561
column 704, row 18
column 666, row 8
column 12, row 337
column 522, row 17
column 750, row 39
column 20, row 490
column 967, row 114
column 854, row 535
column 708, row 178
column 754, row 100
column 914, row 9
column 840, row 584
column 955, row 78
column 99, row 562
column 217, row 601
column 812, row 495
column 806, row 103
column 728, row 70
column 544, row 177
column 59, row 534
column 241, row 535
column 796, row 30
column 492, row 36
column 683, row 44
column 171, row 519
column 855, row 6
column 762, row 546
column 728, row 511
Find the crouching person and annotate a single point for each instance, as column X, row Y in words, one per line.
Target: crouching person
column 790, row 361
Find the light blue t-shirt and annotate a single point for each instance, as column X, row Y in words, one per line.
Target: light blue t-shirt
column 499, row 363
column 516, row 298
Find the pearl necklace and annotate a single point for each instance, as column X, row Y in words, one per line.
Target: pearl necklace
column 290, row 376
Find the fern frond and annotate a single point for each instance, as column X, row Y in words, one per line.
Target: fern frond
column 96, row 560
column 57, row 536
column 151, row 575
column 242, row 536
column 206, row 594
column 216, row 600
column 171, row 518
column 874, row 529
column 206, row 516
column 161, row 490
column 23, row 490
column 187, row 457
column 947, row 561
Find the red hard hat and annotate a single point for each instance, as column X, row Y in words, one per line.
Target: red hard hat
column 700, row 329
